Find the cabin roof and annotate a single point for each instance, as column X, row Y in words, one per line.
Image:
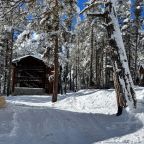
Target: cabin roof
column 17, row 60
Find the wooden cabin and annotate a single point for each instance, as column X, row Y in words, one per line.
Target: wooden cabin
column 30, row 75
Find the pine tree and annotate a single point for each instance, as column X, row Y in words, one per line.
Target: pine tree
column 123, row 81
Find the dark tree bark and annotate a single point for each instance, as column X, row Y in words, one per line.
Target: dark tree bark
column 6, row 67
column 136, row 55
column 137, row 22
column 77, row 64
column 10, row 44
column 56, row 65
column 96, row 64
column 60, row 80
column 91, row 59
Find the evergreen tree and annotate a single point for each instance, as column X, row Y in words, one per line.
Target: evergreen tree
column 123, row 81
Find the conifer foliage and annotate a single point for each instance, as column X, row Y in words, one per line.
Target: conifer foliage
column 122, row 77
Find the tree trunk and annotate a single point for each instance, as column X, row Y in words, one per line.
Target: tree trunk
column 60, row 81
column 5, row 68
column 55, row 83
column 70, row 80
column 136, row 55
column 118, row 55
column 66, row 71
column 91, row 59
column 96, row 64
column 104, row 66
column 56, row 65
column 121, row 102
column 10, row 44
column 77, row 65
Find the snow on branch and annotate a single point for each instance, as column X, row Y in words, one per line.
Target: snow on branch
column 16, row 4
column 8, row 28
column 24, row 35
column 96, row 14
column 92, row 5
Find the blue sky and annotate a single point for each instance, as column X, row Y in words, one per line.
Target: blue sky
column 81, row 3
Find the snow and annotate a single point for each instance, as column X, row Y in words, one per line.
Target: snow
column 109, row 66
column 43, row 20
column 8, row 28
column 25, row 56
column 126, row 82
column 124, row 27
column 84, row 117
column 138, row 7
column 21, row 36
column 36, row 36
column 126, row 20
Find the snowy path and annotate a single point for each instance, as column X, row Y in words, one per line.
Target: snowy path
column 85, row 117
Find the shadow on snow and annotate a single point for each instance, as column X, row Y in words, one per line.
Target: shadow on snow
column 45, row 98
column 53, row 126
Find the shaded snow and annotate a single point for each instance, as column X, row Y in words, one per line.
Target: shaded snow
column 85, row 117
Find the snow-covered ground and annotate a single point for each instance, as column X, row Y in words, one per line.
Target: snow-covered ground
column 85, row 117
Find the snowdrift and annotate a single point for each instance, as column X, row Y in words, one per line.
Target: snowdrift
column 85, row 117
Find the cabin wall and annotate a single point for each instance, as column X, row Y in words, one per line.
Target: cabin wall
column 31, row 73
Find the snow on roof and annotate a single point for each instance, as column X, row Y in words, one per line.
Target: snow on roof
column 20, row 58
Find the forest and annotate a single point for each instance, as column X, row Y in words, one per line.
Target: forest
column 100, row 46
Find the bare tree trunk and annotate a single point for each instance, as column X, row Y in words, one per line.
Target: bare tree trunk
column 76, row 83
column 10, row 43
column 66, row 71
column 104, row 66
column 60, row 81
column 55, row 83
column 121, row 102
column 77, row 65
column 136, row 56
column 91, row 59
column 70, row 80
column 101, row 64
column 56, row 65
column 96, row 64
column 5, row 67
